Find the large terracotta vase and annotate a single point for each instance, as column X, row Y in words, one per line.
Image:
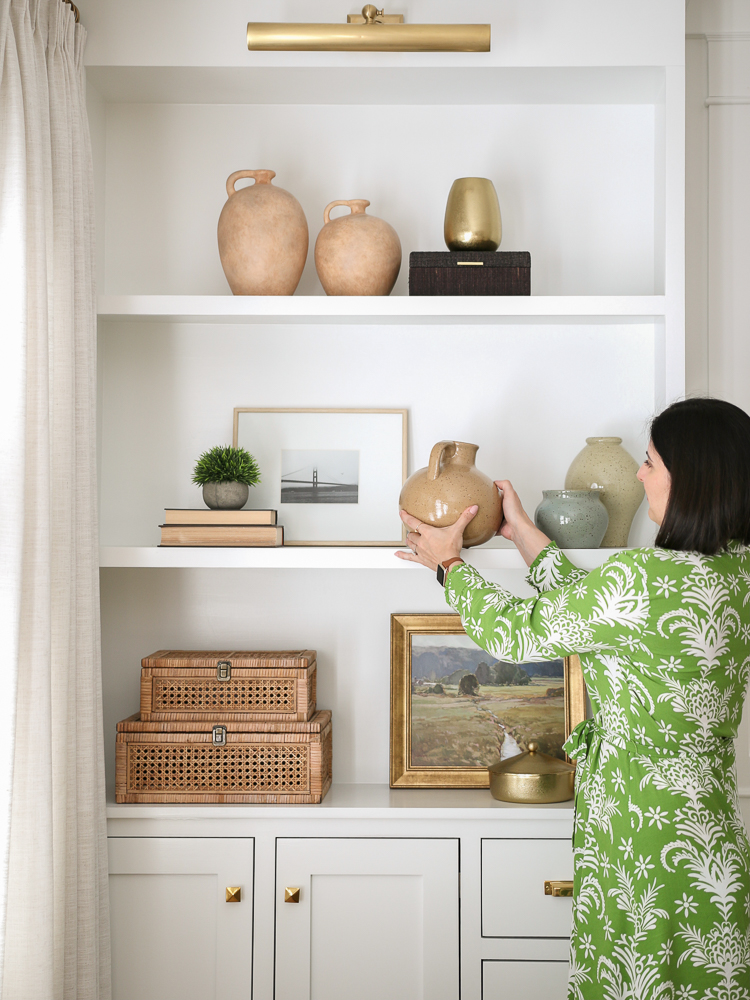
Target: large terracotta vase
column 357, row 254
column 263, row 237
column 444, row 489
column 605, row 465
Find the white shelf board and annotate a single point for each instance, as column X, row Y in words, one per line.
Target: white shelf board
column 313, row 557
column 363, row 802
column 366, row 309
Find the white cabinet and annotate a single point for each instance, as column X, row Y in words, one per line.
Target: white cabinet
column 530, row 980
column 375, row 918
column 174, row 935
column 513, row 877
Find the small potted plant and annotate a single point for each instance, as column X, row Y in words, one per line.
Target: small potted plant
column 226, row 475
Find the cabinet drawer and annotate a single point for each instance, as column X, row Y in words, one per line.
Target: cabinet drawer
column 513, row 877
column 530, row 980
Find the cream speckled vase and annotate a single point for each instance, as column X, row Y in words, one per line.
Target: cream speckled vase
column 605, row 465
column 357, row 254
column 444, row 489
column 263, row 237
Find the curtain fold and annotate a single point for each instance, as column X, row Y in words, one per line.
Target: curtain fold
column 53, row 884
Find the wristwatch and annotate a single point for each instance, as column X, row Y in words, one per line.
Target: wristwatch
column 442, row 570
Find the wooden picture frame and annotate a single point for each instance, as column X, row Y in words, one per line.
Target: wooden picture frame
column 408, row 773
column 380, row 444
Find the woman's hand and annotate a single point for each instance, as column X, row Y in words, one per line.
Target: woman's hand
column 518, row 527
column 430, row 546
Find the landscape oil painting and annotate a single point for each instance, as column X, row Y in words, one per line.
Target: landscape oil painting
column 456, row 708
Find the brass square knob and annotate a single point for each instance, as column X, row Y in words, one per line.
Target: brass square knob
column 234, row 893
column 291, row 894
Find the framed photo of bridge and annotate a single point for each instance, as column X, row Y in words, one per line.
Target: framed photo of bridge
column 455, row 709
column 334, row 476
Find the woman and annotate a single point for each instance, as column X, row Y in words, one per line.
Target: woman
column 662, row 860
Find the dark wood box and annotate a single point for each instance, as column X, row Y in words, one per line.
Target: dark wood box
column 470, row 273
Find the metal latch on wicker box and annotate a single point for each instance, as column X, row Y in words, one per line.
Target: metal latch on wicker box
column 224, row 670
column 219, row 736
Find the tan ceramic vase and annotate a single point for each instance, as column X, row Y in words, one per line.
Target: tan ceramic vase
column 605, row 465
column 263, row 237
column 357, row 254
column 444, row 489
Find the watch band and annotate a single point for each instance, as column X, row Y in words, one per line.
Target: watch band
column 442, row 570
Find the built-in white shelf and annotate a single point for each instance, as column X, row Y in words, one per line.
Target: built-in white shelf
column 453, row 309
column 363, row 802
column 313, row 557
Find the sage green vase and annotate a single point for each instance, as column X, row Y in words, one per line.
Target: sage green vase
column 575, row 519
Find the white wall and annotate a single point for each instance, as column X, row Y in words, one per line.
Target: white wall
column 718, row 219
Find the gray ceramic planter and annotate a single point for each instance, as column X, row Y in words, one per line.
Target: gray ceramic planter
column 225, row 496
column 575, row 519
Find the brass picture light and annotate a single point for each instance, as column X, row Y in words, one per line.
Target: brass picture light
column 373, row 31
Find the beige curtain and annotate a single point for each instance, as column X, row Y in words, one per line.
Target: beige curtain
column 53, row 902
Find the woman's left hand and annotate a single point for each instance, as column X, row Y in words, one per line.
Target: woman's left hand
column 430, row 546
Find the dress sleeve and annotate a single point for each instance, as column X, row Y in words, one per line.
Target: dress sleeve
column 607, row 609
column 552, row 569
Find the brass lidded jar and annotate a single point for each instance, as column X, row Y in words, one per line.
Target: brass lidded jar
column 532, row 776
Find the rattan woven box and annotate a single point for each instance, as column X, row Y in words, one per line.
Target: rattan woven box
column 232, row 762
column 228, row 685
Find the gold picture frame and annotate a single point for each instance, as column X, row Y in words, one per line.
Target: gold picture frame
column 404, row 772
column 389, row 478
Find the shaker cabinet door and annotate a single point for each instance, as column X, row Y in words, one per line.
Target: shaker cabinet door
column 514, row 869
column 530, row 980
column 174, row 935
column 374, row 918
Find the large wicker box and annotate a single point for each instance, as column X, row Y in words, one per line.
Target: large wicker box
column 233, row 762
column 470, row 272
column 228, row 685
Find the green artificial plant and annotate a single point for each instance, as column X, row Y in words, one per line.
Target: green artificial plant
column 226, row 465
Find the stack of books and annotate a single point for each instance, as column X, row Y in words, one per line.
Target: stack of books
column 252, row 528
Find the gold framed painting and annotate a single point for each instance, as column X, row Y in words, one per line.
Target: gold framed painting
column 455, row 709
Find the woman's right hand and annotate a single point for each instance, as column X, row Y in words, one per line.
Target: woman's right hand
column 517, row 526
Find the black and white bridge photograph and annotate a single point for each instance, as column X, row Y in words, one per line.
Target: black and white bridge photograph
column 319, row 476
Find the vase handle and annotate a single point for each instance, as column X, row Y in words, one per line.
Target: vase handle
column 259, row 176
column 357, row 206
column 436, row 457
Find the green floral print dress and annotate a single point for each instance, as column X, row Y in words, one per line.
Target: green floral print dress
column 661, row 907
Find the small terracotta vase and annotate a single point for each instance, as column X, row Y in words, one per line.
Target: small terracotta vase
column 444, row 489
column 357, row 254
column 263, row 237
column 604, row 465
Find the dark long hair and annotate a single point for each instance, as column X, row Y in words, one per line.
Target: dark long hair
column 705, row 445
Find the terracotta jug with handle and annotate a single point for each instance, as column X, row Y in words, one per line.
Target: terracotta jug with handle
column 444, row 489
column 263, row 236
column 357, row 254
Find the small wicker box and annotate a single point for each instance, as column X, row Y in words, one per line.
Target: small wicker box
column 233, row 762
column 228, row 685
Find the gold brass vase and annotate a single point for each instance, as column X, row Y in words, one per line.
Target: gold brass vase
column 532, row 777
column 472, row 215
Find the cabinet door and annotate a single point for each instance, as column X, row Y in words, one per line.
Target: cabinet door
column 174, row 935
column 375, row 918
column 530, row 980
column 513, row 877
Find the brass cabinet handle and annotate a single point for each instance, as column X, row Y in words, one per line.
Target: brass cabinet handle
column 556, row 887
column 234, row 894
column 291, row 894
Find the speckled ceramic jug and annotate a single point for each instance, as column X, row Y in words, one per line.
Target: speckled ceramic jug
column 357, row 254
column 263, row 237
column 444, row 489
column 605, row 465
column 575, row 519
